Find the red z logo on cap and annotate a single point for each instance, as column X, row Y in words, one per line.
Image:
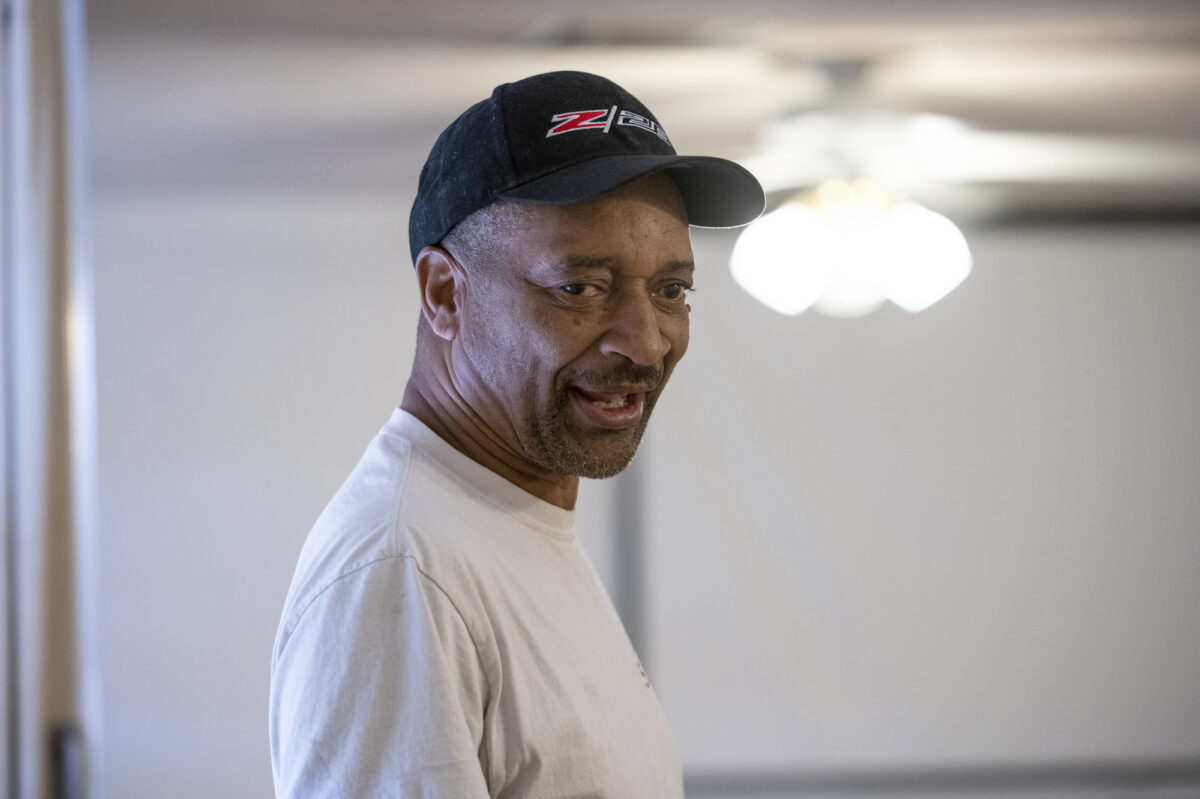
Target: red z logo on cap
column 582, row 120
column 602, row 119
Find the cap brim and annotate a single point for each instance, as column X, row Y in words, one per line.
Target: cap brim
column 716, row 192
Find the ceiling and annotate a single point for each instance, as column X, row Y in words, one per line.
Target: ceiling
column 1060, row 108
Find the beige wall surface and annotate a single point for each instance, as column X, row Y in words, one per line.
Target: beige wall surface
column 965, row 536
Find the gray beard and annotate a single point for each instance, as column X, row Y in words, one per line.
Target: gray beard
column 565, row 450
column 598, row 454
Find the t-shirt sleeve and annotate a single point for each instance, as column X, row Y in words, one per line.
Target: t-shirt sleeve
column 377, row 690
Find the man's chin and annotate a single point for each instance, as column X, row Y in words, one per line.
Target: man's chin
column 591, row 455
column 599, row 470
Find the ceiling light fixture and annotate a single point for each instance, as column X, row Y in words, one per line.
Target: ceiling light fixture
column 843, row 248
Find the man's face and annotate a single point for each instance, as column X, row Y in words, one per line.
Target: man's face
column 572, row 327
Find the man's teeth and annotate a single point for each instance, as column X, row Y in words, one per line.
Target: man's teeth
column 608, row 405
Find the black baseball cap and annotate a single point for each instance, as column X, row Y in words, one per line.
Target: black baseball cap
column 565, row 137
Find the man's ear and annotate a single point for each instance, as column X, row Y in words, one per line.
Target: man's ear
column 441, row 280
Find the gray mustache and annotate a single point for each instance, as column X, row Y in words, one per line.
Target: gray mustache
column 625, row 374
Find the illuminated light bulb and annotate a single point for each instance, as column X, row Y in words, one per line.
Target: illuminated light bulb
column 852, row 219
column 764, row 260
column 843, row 248
column 930, row 257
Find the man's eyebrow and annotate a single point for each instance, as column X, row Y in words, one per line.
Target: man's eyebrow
column 582, row 262
column 578, row 263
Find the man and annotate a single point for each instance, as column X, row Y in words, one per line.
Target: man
column 444, row 634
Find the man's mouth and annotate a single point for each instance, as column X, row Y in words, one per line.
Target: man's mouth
column 617, row 401
column 611, row 408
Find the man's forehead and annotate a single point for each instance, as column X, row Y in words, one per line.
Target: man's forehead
column 647, row 213
column 560, row 261
column 656, row 195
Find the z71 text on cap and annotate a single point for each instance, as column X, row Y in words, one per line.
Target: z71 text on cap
column 602, row 119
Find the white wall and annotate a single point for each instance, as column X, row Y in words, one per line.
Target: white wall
column 247, row 349
column 965, row 536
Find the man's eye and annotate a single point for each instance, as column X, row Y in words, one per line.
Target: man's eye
column 579, row 289
column 675, row 291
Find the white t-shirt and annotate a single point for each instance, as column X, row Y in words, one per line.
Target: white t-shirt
column 446, row 636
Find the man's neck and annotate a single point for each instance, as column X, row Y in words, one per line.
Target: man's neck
column 466, row 433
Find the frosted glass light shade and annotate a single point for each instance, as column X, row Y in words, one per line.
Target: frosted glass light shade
column 930, row 257
column 846, row 248
column 763, row 264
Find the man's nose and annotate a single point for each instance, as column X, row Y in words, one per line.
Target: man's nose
column 635, row 330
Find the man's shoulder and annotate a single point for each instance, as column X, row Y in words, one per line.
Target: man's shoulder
column 355, row 523
column 411, row 499
column 353, row 531
column 398, row 502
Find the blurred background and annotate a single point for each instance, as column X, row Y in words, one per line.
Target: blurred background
column 945, row 553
